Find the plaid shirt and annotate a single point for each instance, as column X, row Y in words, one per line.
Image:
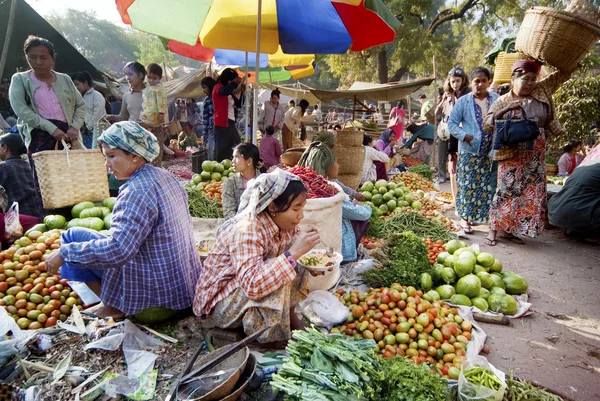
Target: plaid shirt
column 249, row 254
column 150, row 258
column 208, row 121
column 17, row 179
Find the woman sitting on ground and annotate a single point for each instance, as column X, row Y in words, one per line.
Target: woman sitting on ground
column 250, row 278
column 355, row 218
column 246, row 162
column 570, row 159
column 372, row 155
column 134, row 268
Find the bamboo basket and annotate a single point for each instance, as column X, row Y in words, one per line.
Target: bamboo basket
column 350, row 158
column 349, row 138
column 503, row 68
column 558, row 38
column 67, row 178
column 350, row 180
column 584, row 10
column 551, row 169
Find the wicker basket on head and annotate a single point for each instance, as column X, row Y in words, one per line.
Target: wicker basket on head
column 584, row 10
column 67, row 178
column 350, row 158
column 349, row 138
column 350, row 180
column 558, row 38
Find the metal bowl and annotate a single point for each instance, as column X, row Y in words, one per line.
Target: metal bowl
column 242, row 383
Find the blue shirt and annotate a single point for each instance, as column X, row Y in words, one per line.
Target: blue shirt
column 464, row 112
column 351, row 212
column 150, row 258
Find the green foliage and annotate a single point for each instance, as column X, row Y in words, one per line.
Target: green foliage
column 152, row 51
column 407, row 381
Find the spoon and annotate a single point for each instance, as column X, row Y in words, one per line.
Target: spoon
column 329, row 251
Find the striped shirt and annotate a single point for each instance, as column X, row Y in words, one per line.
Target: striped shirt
column 150, row 258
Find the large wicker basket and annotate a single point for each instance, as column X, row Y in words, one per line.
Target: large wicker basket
column 350, row 158
column 349, row 138
column 69, row 178
column 350, row 180
column 558, row 38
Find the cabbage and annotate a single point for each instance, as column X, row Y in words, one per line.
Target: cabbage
column 515, row 284
column 469, row 285
column 504, row 304
column 445, row 291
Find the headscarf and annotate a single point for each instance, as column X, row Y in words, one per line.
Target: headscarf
column 318, row 157
column 386, row 134
column 526, row 66
column 263, row 190
column 327, row 137
column 131, row 137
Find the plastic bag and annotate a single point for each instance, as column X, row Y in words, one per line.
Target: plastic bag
column 323, row 309
column 12, row 225
column 468, row 391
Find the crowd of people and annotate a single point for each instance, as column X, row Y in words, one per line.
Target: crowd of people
column 251, row 278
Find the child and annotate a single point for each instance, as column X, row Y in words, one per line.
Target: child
column 187, row 138
column 154, row 99
column 270, row 149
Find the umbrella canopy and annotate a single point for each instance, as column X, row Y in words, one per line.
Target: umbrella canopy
column 294, row 26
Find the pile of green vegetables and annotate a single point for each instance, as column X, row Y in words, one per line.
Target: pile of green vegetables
column 481, row 376
column 338, row 368
column 517, row 390
column 405, row 221
column 328, row 368
column 202, row 207
column 423, row 170
column 402, row 260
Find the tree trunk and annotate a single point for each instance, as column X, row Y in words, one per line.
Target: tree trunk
column 382, row 68
column 398, row 74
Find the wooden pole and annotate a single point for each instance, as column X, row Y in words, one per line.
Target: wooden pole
column 9, row 30
column 433, row 162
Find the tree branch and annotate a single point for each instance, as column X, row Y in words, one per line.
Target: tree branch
column 398, row 74
column 450, row 15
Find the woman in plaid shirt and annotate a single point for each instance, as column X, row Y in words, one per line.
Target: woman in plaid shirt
column 149, row 260
column 250, row 278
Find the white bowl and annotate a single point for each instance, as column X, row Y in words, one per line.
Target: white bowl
column 337, row 260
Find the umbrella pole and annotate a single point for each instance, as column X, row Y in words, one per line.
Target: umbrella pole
column 256, row 80
column 246, row 105
column 9, row 31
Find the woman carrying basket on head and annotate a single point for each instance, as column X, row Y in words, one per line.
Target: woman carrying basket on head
column 134, row 268
column 519, row 205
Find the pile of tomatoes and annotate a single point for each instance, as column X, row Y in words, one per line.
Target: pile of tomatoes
column 414, row 182
column 403, row 323
column 411, row 161
column 213, row 190
column 370, row 243
column 434, row 249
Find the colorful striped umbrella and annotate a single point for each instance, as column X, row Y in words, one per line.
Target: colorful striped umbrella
column 297, row 26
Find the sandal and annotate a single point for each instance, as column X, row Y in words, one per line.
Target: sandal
column 466, row 228
column 490, row 242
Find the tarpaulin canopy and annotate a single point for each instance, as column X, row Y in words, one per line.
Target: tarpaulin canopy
column 373, row 92
column 28, row 22
column 294, row 93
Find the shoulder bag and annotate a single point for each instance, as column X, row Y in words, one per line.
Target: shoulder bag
column 518, row 131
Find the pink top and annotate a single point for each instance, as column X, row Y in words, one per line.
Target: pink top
column 46, row 101
column 270, row 150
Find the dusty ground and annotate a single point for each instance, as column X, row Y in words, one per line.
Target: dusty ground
column 559, row 345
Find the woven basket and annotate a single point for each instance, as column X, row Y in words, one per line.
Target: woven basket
column 584, row 10
column 349, row 138
column 551, row 169
column 555, row 37
column 292, row 156
column 350, row 180
column 503, row 68
column 66, row 182
column 350, row 158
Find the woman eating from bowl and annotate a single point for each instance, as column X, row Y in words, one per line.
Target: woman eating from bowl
column 135, row 267
column 355, row 218
column 519, row 205
column 250, row 278
column 246, row 162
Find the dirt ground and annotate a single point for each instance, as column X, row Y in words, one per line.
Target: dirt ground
column 558, row 346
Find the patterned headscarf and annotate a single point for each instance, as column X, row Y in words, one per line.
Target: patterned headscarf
column 386, row 134
column 131, row 137
column 263, row 190
column 526, row 66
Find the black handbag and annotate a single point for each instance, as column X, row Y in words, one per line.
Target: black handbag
column 518, row 131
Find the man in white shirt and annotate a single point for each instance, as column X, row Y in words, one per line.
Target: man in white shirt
column 94, row 106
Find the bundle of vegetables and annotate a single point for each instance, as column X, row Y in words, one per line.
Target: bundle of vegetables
column 317, row 186
column 403, row 259
column 481, row 376
column 414, row 182
column 321, row 367
column 201, row 206
column 421, row 226
column 518, row 390
column 406, row 381
column 404, row 323
column 32, row 297
column 469, row 277
column 423, row 170
column 410, row 161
